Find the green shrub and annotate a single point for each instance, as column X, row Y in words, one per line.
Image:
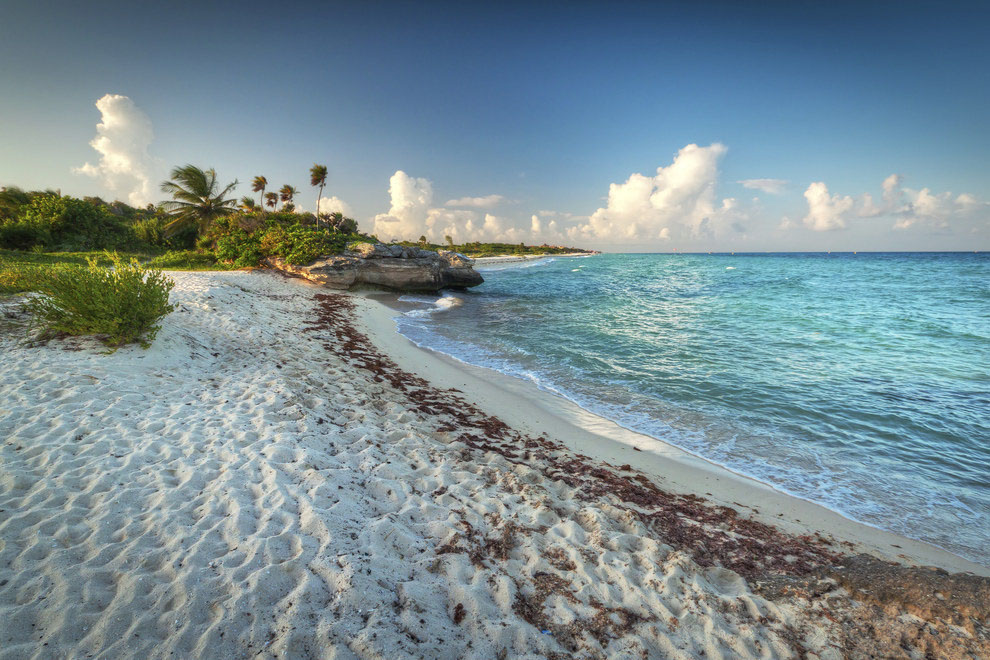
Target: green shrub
column 184, row 260
column 22, row 236
column 151, row 231
column 74, row 224
column 281, row 236
column 17, row 278
column 120, row 304
column 239, row 248
column 300, row 245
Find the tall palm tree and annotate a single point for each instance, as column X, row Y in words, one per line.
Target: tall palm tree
column 258, row 185
column 197, row 198
column 286, row 193
column 271, row 199
column 318, row 177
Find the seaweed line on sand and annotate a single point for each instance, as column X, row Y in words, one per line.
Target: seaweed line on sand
column 775, row 564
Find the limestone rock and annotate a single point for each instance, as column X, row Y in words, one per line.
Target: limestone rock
column 389, row 266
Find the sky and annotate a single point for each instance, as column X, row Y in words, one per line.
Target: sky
column 688, row 126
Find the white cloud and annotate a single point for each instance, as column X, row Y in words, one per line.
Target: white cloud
column 122, row 139
column 412, row 215
column 410, row 205
column 680, row 199
column 826, row 212
column 770, row 186
column 905, row 206
column 335, row 205
column 477, row 202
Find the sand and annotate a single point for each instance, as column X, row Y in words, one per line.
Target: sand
column 262, row 483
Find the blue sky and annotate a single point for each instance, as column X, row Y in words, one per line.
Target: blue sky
column 542, row 121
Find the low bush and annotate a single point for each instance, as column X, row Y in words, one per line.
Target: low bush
column 300, row 245
column 17, row 278
column 22, row 236
column 120, row 304
column 184, row 260
column 73, row 224
column 281, row 236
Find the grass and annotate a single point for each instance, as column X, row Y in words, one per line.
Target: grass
column 21, row 271
column 187, row 260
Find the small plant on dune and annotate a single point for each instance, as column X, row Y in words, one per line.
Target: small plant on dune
column 120, row 304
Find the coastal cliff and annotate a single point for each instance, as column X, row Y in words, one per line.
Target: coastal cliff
column 390, row 266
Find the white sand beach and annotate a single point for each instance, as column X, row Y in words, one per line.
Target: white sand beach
column 281, row 475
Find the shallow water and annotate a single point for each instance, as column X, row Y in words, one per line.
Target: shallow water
column 861, row 382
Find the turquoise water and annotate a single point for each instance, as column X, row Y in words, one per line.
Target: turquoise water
column 861, row 382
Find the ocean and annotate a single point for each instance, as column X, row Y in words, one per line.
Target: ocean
column 858, row 381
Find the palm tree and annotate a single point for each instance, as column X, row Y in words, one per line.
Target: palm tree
column 318, row 177
column 258, row 185
column 197, row 198
column 248, row 204
column 286, row 193
column 271, row 199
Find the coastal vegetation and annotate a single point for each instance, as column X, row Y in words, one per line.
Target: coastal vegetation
column 476, row 249
column 55, row 245
column 119, row 304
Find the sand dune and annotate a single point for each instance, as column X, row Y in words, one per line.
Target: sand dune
column 241, row 490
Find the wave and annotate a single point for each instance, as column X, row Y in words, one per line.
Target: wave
column 444, row 303
column 791, row 478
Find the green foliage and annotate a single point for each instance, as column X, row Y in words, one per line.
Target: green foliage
column 300, row 245
column 120, row 304
column 67, row 223
column 186, row 260
column 21, row 271
column 494, row 249
column 245, row 240
column 20, row 235
column 12, row 199
column 151, row 231
column 197, row 198
column 339, row 223
column 237, row 247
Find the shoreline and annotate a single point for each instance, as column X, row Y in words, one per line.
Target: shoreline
column 534, row 411
column 282, row 475
column 511, row 258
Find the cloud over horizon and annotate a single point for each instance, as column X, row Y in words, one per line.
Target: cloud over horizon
column 678, row 201
column 770, row 186
column 487, row 201
column 905, row 206
column 122, row 139
column 679, row 205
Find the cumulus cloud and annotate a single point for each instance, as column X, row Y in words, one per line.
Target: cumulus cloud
column 770, row 186
column 410, row 205
column 485, row 202
column 680, row 198
column 411, row 214
column 122, row 139
column 334, row 205
column 905, row 206
column 826, row 212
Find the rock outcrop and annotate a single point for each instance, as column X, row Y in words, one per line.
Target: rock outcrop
column 390, row 266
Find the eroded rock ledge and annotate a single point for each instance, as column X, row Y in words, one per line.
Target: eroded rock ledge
column 390, row 266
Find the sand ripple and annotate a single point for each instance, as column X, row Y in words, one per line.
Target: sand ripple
column 237, row 491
